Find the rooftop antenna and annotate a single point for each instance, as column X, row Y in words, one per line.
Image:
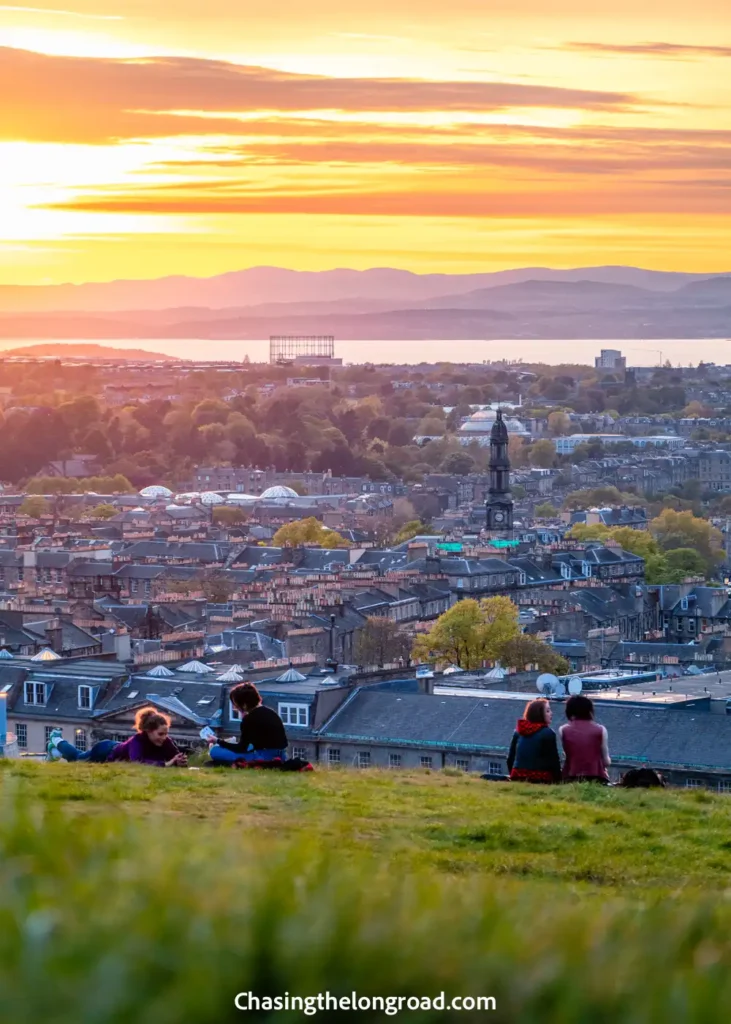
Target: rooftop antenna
column 576, row 685
column 550, row 685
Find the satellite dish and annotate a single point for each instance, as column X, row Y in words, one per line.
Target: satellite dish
column 548, row 683
column 576, row 685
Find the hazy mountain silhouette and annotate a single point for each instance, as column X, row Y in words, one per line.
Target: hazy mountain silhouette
column 593, row 302
column 261, row 285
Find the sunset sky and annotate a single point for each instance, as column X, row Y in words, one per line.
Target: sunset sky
column 140, row 138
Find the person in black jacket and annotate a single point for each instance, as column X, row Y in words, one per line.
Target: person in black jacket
column 262, row 731
column 533, row 755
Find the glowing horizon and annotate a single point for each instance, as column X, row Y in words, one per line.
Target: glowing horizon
column 137, row 142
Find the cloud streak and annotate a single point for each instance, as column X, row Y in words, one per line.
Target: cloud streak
column 670, row 51
column 60, row 13
column 79, row 99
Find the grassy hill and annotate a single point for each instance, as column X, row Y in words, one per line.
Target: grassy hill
column 131, row 894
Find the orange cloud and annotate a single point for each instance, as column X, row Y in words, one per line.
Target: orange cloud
column 79, row 99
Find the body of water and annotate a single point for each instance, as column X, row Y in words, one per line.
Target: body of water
column 639, row 352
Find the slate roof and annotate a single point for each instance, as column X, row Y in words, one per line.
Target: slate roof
column 658, row 736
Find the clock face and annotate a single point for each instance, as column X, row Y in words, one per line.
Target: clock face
column 499, row 517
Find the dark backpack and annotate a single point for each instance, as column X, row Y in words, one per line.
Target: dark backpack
column 642, row 778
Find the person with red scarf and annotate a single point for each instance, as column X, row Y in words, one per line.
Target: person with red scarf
column 533, row 755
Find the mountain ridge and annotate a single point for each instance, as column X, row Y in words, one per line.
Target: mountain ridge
column 266, row 285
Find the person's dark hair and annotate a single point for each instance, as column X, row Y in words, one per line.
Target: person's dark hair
column 535, row 710
column 149, row 719
column 580, row 707
column 245, row 697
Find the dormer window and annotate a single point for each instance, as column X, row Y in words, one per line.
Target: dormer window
column 684, row 604
column 586, row 568
column 86, row 698
column 35, row 693
column 566, row 570
column 522, row 579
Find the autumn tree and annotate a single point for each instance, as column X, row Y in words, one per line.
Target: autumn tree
column 380, row 641
column 543, row 454
column 216, row 586
column 229, row 515
column 308, row 532
column 674, row 529
column 559, row 423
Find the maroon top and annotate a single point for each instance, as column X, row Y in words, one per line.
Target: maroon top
column 140, row 748
column 582, row 743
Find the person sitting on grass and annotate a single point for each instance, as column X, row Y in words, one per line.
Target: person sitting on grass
column 533, row 755
column 584, row 743
column 262, row 731
column 150, row 744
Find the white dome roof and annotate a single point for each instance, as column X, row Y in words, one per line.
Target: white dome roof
column 279, row 491
column 156, row 491
column 211, row 498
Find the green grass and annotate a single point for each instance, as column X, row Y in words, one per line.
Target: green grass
column 131, row 894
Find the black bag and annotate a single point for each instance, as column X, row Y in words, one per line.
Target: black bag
column 642, row 778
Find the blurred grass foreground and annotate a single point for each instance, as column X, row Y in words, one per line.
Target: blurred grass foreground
column 134, row 895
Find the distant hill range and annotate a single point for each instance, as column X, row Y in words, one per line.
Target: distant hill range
column 589, row 302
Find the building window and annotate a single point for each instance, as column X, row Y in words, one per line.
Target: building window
column 364, row 758
column 426, row 762
column 300, row 752
column 295, row 714
column 21, row 735
column 394, row 760
column 494, row 768
column 333, row 755
column 48, row 730
column 35, row 693
column 462, row 763
column 80, row 739
column 85, row 701
column 724, row 785
column 693, row 783
column 234, row 713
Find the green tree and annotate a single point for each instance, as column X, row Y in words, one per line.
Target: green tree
column 103, row 511
column 409, row 530
column 523, row 651
column 470, row 633
column 35, row 506
column 608, row 496
column 546, row 510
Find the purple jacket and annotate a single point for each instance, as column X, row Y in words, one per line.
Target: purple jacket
column 141, row 749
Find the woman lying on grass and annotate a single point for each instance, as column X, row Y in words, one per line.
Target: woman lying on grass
column 262, row 731
column 150, row 744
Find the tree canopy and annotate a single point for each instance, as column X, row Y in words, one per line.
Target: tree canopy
column 473, row 633
column 308, row 532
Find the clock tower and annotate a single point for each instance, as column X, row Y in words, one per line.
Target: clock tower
column 499, row 505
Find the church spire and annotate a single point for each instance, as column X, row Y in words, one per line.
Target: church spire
column 499, row 506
